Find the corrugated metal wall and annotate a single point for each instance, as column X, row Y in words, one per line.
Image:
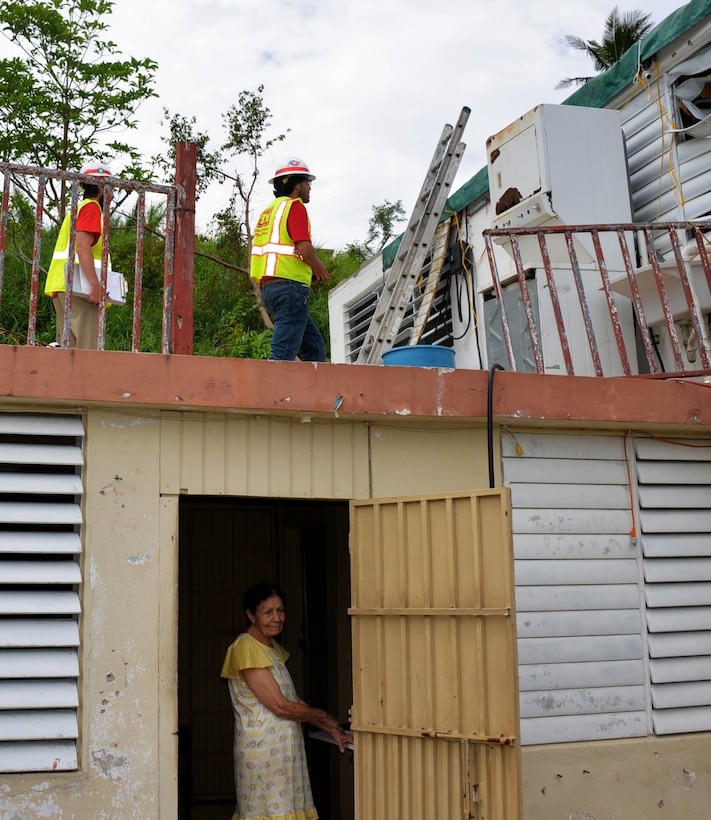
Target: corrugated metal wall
column 263, row 456
column 434, row 658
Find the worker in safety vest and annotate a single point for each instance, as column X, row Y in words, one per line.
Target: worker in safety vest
column 88, row 244
column 284, row 262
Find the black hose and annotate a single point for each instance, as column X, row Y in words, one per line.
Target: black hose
column 654, row 339
column 490, row 422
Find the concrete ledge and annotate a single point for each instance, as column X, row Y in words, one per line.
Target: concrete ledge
column 89, row 377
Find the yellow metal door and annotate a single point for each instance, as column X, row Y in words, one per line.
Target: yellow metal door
column 435, row 673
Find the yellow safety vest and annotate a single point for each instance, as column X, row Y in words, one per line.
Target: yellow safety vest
column 273, row 251
column 56, row 281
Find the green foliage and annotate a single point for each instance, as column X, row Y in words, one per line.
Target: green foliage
column 381, row 227
column 69, row 91
column 246, row 125
column 17, row 278
column 237, row 342
column 231, row 238
column 123, row 245
column 119, row 319
column 182, row 129
column 224, row 310
column 340, row 266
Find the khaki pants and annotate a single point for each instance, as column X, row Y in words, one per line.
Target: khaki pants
column 84, row 324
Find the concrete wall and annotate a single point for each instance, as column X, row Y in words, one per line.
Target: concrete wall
column 637, row 779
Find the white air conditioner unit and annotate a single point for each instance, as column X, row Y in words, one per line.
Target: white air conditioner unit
column 558, row 165
column 563, row 165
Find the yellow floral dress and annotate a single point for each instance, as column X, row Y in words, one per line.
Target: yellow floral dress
column 271, row 778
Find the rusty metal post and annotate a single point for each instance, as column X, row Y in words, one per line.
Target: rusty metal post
column 36, row 251
column 184, row 259
column 4, row 213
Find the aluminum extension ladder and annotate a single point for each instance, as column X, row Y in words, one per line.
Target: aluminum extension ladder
column 405, row 270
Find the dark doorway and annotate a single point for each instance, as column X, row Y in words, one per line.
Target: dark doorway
column 225, row 545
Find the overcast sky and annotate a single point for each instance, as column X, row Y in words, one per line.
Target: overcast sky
column 364, row 86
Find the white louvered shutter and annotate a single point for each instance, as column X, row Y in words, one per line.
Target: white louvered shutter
column 41, row 465
column 581, row 659
column 674, row 487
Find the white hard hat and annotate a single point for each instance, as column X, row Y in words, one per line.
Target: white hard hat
column 96, row 169
column 290, row 166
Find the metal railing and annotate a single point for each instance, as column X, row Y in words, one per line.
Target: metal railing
column 635, row 298
column 177, row 233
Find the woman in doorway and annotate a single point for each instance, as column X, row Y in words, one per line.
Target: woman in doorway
column 271, row 778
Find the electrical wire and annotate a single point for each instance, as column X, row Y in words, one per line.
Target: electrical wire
column 464, row 288
column 490, row 421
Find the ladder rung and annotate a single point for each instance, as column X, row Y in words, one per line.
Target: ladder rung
column 397, row 293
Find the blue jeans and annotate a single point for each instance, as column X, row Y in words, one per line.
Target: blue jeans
column 295, row 332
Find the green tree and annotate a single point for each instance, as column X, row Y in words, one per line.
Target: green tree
column 247, row 124
column 229, row 318
column 341, row 265
column 17, row 276
column 184, row 129
column 381, row 229
column 622, row 31
column 69, row 91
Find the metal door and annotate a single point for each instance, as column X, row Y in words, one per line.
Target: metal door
column 435, row 714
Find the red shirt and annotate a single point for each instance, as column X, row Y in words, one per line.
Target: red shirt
column 89, row 220
column 297, row 223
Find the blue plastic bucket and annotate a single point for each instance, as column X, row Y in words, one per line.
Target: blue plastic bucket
column 420, row 356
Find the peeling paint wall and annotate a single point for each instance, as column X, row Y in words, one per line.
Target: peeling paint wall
column 120, row 626
column 127, row 675
column 662, row 777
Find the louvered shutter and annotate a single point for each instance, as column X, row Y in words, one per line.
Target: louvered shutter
column 41, row 464
column 581, row 658
column 438, row 328
column 674, row 487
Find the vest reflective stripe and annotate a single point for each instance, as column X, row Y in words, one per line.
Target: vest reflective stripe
column 56, row 281
column 273, row 252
